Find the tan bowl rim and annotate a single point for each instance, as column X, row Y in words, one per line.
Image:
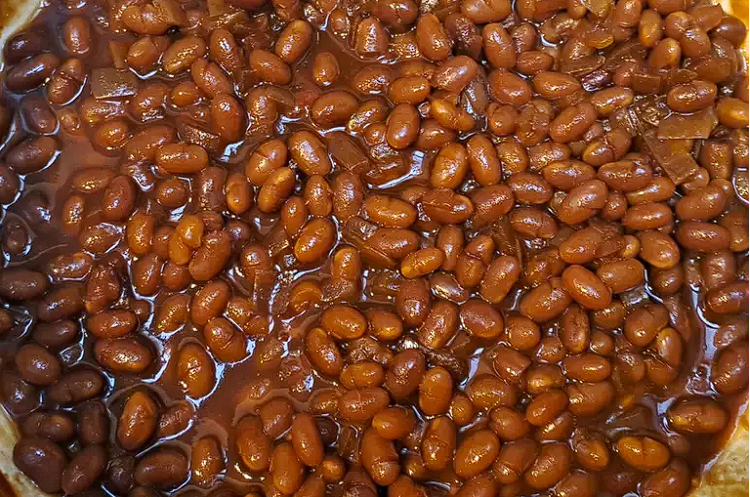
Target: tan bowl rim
column 726, row 474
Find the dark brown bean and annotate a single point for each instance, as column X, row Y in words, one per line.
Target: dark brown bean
column 84, row 469
column 162, row 468
column 41, row 460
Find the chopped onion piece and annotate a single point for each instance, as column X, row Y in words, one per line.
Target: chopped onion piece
column 646, row 83
column 600, row 8
column 171, row 12
column 217, row 8
column 698, row 125
column 347, row 153
column 583, row 66
column 672, row 157
column 741, row 184
column 630, row 50
column 199, row 136
column 544, row 8
column 118, row 50
column 108, row 82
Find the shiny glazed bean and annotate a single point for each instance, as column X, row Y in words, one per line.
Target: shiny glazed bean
column 476, row 453
column 41, row 460
column 586, row 288
column 162, row 468
column 137, row 421
column 643, row 453
column 328, row 215
column 195, row 370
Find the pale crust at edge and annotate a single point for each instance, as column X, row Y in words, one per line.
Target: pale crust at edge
column 22, row 485
column 727, row 477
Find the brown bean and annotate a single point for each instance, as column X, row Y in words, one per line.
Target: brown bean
column 227, row 117
column 323, row 352
column 621, row 276
column 31, row 72
column 586, row 288
column 195, row 370
column 390, row 212
column 181, row 54
column 413, row 301
column 432, row 39
column 447, row 207
column 587, row 367
column 124, row 355
column 550, row 466
column 253, row 446
column 162, row 468
column 362, row 404
column 499, row 278
column 480, row 319
column 651, row 215
column 487, row 391
column 137, row 422
column 371, row 38
column 546, row 301
column 692, row 96
column 343, row 322
column 553, row 85
column 729, row 370
column 84, row 469
column 507, row 88
column 514, row 459
column 700, row 416
column 211, row 257
column 286, row 469
column 482, row 12
column 325, row 69
column 435, row 391
column 674, row 478
column 702, row 237
column 206, row 461
column 294, row 41
column 439, row 326
column 181, row 158
column 111, row 324
column 582, row 202
column 332, row 109
column 476, row 453
column 315, row 240
column 394, row 422
column 489, row 202
column 643, row 453
column 403, row 126
column 56, row 426
column 41, row 460
column 455, row 73
column 37, row 366
column 19, row 396
column 545, row 407
column 32, row 154
column 422, row 262
column 76, row 386
column 306, row 440
column 224, row 340
column 310, row 153
column 379, row 457
column 438, row 443
column 404, row 374
column 703, row 204
column 277, row 416
column 269, row 67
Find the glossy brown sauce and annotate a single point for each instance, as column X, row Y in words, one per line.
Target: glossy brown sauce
column 638, row 408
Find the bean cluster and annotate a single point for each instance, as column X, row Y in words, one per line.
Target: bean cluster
column 436, row 248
